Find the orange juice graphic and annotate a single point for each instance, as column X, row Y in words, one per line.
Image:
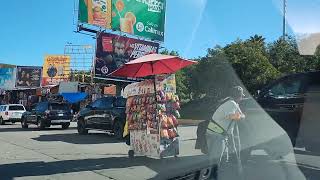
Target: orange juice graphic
column 120, row 5
column 128, row 21
column 126, row 25
column 90, row 16
column 98, row 12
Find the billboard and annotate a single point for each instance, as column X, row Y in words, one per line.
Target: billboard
column 56, row 69
column 7, row 66
column 140, row 17
column 68, row 87
column 145, row 18
column 7, row 78
column 28, row 76
column 95, row 12
column 111, row 90
column 113, row 51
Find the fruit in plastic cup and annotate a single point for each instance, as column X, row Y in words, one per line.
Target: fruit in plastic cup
column 132, row 17
column 126, row 25
column 119, row 5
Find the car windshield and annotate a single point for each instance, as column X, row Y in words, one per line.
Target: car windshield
column 160, row 89
column 16, row 108
column 57, row 106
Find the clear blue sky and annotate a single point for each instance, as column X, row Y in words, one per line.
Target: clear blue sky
column 32, row 28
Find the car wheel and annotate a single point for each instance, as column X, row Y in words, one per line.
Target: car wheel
column 118, row 129
column 131, row 154
column 65, row 126
column 81, row 126
column 24, row 124
column 1, row 121
column 40, row 124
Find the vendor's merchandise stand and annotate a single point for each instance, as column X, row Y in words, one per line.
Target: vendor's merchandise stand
column 152, row 118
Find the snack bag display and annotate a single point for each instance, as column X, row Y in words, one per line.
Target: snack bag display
column 153, row 114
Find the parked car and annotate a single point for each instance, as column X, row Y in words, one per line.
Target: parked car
column 106, row 114
column 11, row 113
column 294, row 103
column 45, row 114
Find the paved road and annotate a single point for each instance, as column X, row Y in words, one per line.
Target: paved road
column 63, row 154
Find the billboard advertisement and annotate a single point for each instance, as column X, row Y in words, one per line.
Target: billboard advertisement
column 7, row 78
column 68, row 87
column 7, row 66
column 140, row 17
column 113, row 51
column 28, row 76
column 56, row 69
column 95, row 12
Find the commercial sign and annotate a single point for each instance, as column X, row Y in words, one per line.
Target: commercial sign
column 28, row 76
column 145, row 18
column 7, row 66
column 7, row 78
column 111, row 90
column 68, row 87
column 166, row 82
column 95, row 12
column 113, row 51
column 56, row 69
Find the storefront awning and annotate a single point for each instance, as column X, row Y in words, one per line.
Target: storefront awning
column 74, row 97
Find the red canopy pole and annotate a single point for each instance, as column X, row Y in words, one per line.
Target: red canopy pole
column 155, row 96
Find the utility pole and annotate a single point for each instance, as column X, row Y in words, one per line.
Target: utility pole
column 284, row 19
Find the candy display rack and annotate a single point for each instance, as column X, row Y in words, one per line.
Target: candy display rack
column 152, row 117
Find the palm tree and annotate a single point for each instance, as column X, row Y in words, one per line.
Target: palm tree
column 257, row 39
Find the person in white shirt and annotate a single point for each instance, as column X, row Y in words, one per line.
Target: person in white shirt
column 223, row 130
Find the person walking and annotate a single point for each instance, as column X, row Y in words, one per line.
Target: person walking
column 222, row 133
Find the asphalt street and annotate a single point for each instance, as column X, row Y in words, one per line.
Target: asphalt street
column 63, row 154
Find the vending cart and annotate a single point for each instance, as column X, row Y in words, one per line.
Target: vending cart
column 152, row 117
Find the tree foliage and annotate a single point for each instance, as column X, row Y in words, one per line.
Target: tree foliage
column 251, row 63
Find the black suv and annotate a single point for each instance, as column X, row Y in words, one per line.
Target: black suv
column 45, row 114
column 107, row 114
column 294, row 103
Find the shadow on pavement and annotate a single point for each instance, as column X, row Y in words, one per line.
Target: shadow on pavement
column 147, row 168
column 165, row 168
column 75, row 138
column 311, row 173
column 16, row 129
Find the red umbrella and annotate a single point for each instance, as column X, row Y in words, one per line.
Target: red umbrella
column 152, row 64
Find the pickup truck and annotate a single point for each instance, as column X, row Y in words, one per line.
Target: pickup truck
column 106, row 114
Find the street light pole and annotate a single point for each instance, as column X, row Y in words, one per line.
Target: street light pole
column 284, row 19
